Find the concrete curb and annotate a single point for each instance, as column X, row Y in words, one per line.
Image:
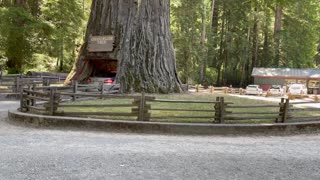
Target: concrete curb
column 163, row 128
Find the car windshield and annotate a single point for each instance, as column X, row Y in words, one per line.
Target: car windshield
column 275, row 87
column 295, row 87
column 252, row 86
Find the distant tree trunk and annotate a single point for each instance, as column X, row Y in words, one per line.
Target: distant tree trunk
column 143, row 47
column 277, row 29
column 5, row 3
column 214, row 11
column 266, row 57
column 20, row 3
column 255, row 41
column 61, row 58
column 212, row 57
column 203, row 61
column 222, row 39
column 34, row 7
column 14, row 51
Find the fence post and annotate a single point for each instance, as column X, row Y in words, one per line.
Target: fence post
column 281, row 105
column 217, row 110
column 33, row 101
column 75, row 89
column 17, row 83
column 285, row 111
column 28, row 98
column 197, row 88
column 222, row 109
column 102, row 88
column 51, row 102
column 141, row 107
column 46, row 82
column 212, row 90
column 21, row 100
column 225, row 90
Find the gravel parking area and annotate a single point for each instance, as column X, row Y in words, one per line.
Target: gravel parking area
column 29, row 153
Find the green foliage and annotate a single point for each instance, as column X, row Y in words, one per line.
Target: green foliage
column 20, row 35
column 40, row 32
column 240, row 35
column 186, row 28
column 41, row 63
column 67, row 18
column 300, row 35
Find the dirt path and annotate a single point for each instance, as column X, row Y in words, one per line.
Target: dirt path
column 30, row 153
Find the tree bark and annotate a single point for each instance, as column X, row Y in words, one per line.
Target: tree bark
column 15, row 42
column 255, row 40
column 203, row 59
column 143, row 47
column 277, row 29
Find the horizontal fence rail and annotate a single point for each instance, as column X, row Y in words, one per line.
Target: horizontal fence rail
column 14, row 83
column 302, row 112
column 208, row 113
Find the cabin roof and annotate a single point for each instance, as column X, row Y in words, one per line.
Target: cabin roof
column 286, row 72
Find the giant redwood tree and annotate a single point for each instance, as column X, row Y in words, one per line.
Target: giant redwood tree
column 142, row 45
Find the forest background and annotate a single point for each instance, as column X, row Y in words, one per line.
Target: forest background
column 216, row 41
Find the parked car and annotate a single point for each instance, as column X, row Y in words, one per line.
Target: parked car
column 297, row 89
column 105, row 79
column 254, row 89
column 100, row 80
column 276, row 90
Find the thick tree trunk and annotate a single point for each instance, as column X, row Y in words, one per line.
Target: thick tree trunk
column 143, row 47
column 148, row 62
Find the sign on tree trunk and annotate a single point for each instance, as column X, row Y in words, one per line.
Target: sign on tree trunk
column 101, row 43
column 144, row 49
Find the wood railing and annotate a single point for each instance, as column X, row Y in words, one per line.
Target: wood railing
column 149, row 108
column 13, row 83
column 51, row 103
column 257, row 112
column 212, row 109
column 215, row 90
column 303, row 111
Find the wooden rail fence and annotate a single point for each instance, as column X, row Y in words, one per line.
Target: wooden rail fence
column 13, row 83
column 214, row 90
column 146, row 108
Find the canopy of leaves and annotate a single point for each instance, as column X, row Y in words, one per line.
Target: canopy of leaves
column 217, row 41
column 53, row 29
column 240, row 35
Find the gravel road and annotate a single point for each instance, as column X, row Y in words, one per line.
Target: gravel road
column 29, row 153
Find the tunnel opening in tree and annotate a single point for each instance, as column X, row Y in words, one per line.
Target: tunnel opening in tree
column 142, row 45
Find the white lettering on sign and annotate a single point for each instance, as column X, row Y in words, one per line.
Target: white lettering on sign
column 101, row 43
column 102, row 39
